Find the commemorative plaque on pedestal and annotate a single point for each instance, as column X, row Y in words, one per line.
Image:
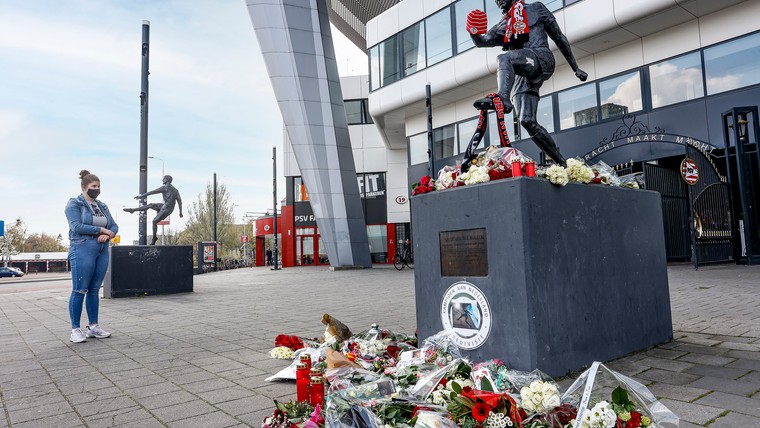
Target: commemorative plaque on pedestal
column 144, row 270
column 541, row 276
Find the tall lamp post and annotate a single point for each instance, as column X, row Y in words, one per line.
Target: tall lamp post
column 162, row 178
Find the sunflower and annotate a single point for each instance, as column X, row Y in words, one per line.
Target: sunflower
column 480, row 411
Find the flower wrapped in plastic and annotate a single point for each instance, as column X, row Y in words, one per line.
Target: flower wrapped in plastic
column 288, row 414
column 578, row 171
column 604, row 398
column 476, row 174
column 471, row 408
column 604, row 174
column 425, row 185
column 633, row 181
column 431, row 419
column 318, row 356
column 440, row 349
column 556, row 174
column 448, row 177
column 491, row 375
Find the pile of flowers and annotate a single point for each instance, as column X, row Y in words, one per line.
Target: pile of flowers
column 496, row 163
column 435, row 386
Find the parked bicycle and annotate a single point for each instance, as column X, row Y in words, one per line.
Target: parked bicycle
column 405, row 258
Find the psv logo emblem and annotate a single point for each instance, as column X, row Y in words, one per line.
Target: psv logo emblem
column 689, row 171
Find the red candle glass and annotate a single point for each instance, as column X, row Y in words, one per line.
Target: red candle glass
column 302, row 382
column 516, row 169
column 530, row 169
column 306, row 359
column 317, row 391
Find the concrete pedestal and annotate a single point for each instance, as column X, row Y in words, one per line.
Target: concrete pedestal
column 139, row 270
column 542, row 276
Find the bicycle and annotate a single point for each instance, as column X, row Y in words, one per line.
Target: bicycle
column 406, row 258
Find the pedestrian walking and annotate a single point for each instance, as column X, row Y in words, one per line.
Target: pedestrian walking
column 91, row 228
column 269, row 257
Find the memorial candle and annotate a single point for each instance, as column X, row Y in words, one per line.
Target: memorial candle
column 302, row 383
column 516, row 169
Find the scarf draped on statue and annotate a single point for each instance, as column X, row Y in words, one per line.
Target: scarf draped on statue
column 517, row 32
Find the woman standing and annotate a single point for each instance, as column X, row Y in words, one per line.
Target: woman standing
column 91, row 227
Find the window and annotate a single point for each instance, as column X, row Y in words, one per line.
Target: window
column 377, row 235
column 357, row 112
column 374, row 67
column 461, row 9
column 676, row 80
column 299, row 190
column 620, row 95
column 418, row 146
column 544, row 114
column 390, row 69
column 438, row 36
column 552, row 5
column 733, row 65
column 414, row 48
column 494, row 13
column 578, row 106
column 465, row 130
column 493, row 128
column 444, row 142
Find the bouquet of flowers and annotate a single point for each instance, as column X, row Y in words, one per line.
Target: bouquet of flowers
column 425, row 185
column 293, row 342
column 556, row 174
column 473, row 408
column 607, row 399
column 282, row 353
column 291, row 414
column 578, row 172
column 448, row 177
column 605, row 174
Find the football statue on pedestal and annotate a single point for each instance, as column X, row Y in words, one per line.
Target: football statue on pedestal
column 171, row 197
column 526, row 63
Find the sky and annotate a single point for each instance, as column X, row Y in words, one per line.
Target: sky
column 70, row 101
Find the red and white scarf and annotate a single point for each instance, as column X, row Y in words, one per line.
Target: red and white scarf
column 517, row 25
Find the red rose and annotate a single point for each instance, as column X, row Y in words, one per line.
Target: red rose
column 425, row 180
column 635, row 421
column 393, row 350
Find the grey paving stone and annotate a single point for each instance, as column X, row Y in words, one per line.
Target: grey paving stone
column 669, row 377
column 64, row 420
column 246, row 405
column 118, row 419
column 225, row 394
column 716, row 371
column 216, row 419
column 183, row 410
column 735, row 420
column 749, row 355
column 166, row 400
column 710, row 360
column 736, row 387
column 737, row 403
column 665, row 364
column 676, row 392
column 109, row 405
column 750, row 347
column 39, row 412
column 710, row 350
column 207, row 385
column 746, row 364
column 152, row 390
column 664, row 353
column 734, row 339
column 694, row 413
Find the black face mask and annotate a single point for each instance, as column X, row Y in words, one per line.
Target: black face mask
column 93, row 193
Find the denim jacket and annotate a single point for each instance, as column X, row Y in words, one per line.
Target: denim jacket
column 79, row 216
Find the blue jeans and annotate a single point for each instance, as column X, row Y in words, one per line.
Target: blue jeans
column 89, row 262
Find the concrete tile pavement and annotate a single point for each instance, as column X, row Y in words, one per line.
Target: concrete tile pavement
column 200, row 359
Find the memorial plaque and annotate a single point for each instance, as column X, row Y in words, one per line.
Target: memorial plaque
column 464, row 253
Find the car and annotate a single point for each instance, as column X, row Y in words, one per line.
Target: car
column 11, row 272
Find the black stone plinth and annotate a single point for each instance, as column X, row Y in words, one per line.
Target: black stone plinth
column 140, row 270
column 574, row 274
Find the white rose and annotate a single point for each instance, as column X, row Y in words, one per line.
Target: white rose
column 528, row 406
column 550, row 401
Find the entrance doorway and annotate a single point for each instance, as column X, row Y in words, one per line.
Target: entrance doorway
column 307, row 246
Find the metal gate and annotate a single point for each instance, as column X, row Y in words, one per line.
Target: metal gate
column 710, row 203
column 675, row 209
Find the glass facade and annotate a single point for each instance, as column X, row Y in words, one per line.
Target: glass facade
column 444, row 142
column 464, row 133
column 676, row 80
column 438, row 36
column 432, row 40
column 377, row 235
column 418, row 146
column 620, row 95
column 733, row 64
column 357, row 112
column 414, row 48
column 577, row 106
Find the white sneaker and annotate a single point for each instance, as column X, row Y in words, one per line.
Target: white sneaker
column 97, row 332
column 77, row 335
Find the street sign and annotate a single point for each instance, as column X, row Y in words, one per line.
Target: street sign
column 243, row 239
column 164, row 222
column 116, row 239
column 2, row 228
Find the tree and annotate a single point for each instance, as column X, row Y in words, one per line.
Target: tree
column 13, row 241
column 200, row 222
column 43, row 243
